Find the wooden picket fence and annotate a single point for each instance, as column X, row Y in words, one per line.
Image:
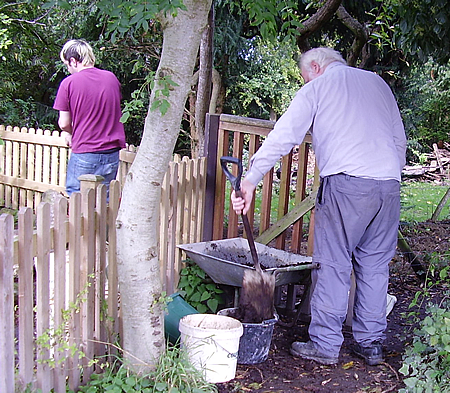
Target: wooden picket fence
column 58, row 282
column 60, row 300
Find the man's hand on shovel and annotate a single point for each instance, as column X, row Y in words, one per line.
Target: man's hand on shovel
column 242, row 199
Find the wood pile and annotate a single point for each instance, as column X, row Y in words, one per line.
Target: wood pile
column 436, row 167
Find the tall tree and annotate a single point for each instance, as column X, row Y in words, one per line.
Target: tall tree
column 137, row 222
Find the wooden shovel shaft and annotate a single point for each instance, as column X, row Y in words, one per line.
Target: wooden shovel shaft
column 251, row 242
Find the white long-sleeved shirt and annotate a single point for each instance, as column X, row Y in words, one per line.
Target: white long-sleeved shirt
column 355, row 124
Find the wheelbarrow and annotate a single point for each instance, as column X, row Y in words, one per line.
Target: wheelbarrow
column 225, row 261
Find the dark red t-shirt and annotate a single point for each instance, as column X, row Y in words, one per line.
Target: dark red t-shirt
column 92, row 96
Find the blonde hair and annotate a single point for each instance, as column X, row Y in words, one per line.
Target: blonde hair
column 80, row 50
column 322, row 56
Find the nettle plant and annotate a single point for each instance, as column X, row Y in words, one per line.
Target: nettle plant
column 198, row 289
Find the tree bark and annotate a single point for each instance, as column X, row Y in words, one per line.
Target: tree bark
column 204, row 86
column 138, row 219
column 359, row 31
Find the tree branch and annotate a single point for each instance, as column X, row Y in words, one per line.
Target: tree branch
column 359, row 31
column 315, row 22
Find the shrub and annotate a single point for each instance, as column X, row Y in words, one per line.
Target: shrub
column 426, row 363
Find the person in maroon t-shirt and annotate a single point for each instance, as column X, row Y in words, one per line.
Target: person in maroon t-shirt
column 88, row 102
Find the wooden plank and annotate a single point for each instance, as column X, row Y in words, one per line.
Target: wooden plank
column 29, row 184
column 282, row 224
column 30, row 170
column 266, row 201
column 253, row 146
column 87, row 272
column 8, row 171
column 284, row 195
column 46, row 161
column 38, row 167
column 23, row 169
column 63, row 161
column 44, row 373
column 300, row 193
column 194, row 198
column 15, row 172
column 100, row 272
column 128, row 154
column 113, row 285
column 219, row 209
column 171, row 238
column 75, row 233
column 250, row 126
column 59, row 292
column 188, row 201
column 180, row 236
column 35, row 138
column 238, row 147
column 54, row 162
column 26, row 292
column 313, row 213
column 164, row 227
column 7, row 303
column 200, row 184
column 212, row 131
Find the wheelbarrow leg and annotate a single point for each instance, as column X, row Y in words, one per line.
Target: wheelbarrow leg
column 304, row 306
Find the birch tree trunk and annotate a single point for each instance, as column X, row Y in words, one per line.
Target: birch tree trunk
column 138, row 219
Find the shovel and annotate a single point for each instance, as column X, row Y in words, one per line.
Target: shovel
column 258, row 288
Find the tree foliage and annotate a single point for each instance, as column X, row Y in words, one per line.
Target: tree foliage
column 424, row 28
column 425, row 103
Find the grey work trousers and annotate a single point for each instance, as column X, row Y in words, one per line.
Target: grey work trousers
column 356, row 226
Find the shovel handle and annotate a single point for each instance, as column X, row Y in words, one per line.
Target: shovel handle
column 234, row 180
column 236, row 184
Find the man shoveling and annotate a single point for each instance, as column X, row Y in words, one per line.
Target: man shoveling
column 360, row 144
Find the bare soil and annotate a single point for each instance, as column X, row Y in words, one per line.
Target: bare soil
column 283, row 373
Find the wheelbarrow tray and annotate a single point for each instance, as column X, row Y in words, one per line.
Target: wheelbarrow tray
column 225, row 261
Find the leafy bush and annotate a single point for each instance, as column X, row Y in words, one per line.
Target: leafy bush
column 198, row 289
column 426, row 362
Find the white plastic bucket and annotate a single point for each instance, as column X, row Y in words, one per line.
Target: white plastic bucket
column 212, row 344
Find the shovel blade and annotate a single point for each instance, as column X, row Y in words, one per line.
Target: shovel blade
column 257, row 297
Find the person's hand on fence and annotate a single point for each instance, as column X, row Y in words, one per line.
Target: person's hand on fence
column 241, row 205
column 68, row 138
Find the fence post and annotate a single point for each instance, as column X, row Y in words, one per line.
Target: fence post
column 7, row 304
column 211, row 131
column 90, row 181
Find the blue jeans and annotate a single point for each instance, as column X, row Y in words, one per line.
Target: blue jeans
column 103, row 164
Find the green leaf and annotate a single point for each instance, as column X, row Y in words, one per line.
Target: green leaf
column 213, row 304
column 205, row 296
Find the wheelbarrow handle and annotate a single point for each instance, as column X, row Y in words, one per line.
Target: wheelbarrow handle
column 234, row 180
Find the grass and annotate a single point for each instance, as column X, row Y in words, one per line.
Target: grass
column 419, row 201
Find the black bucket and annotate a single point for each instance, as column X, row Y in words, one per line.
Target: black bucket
column 254, row 343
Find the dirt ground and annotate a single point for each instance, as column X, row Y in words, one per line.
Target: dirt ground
column 282, row 373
